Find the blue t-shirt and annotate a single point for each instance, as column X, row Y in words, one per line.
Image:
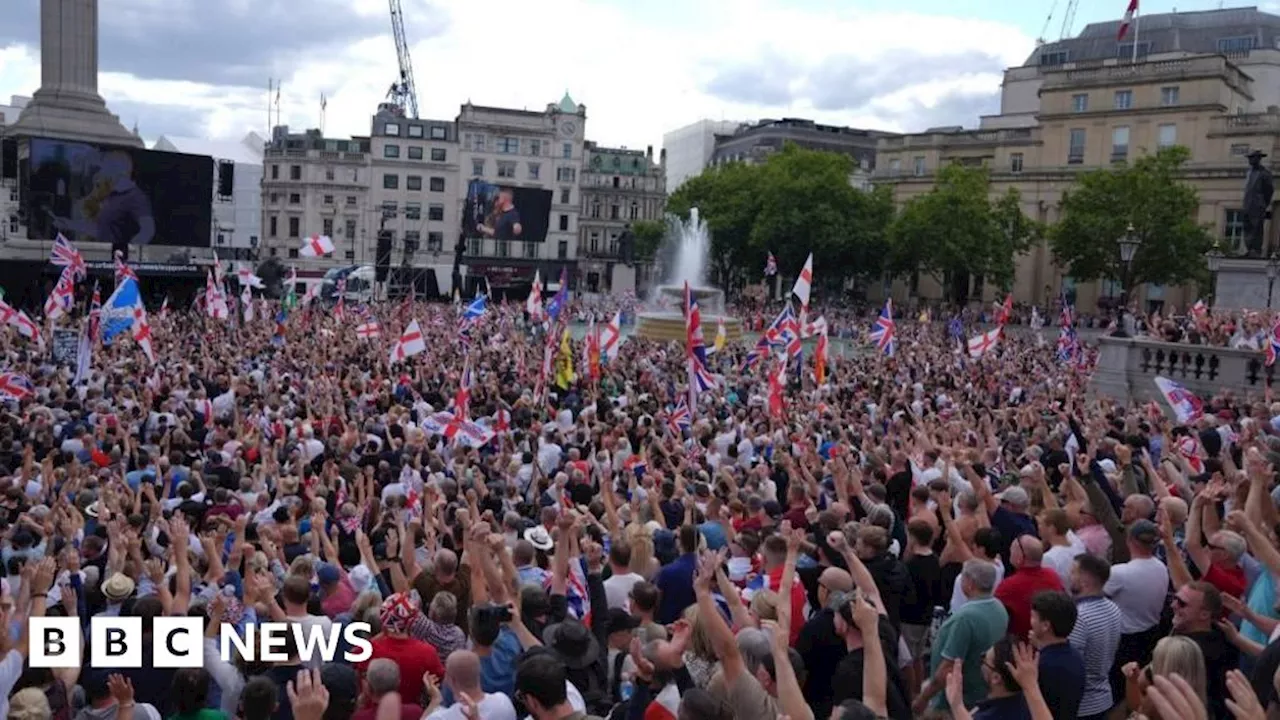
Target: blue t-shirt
column 714, row 535
column 1262, row 600
column 498, row 668
column 1062, row 679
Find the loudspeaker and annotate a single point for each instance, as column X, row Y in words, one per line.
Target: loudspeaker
column 226, row 178
column 382, row 258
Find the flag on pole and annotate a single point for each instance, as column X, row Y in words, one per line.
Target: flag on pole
column 980, row 345
column 611, row 341
column 560, row 299
column 564, row 362
column 246, row 303
column 722, row 337
column 1184, row 403
column 117, row 312
column 885, row 332
column 820, row 358
column 249, row 279
column 409, row 343
column 316, row 246
column 593, row 351
column 65, row 254
column 368, row 330
column 1127, row 20
column 142, row 332
column 15, row 386
column 777, row 385
column 462, row 399
column 804, row 282
column 533, row 304
column 1005, row 311
column 63, row 296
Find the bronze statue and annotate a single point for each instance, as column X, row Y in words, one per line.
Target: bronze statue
column 1258, row 190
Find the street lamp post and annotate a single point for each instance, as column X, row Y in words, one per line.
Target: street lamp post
column 1128, row 248
column 1273, row 269
column 1213, row 260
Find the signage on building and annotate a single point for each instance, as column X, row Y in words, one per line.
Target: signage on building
column 150, row 268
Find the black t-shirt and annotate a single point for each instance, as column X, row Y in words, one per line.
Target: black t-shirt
column 846, row 682
column 1264, row 671
column 822, row 651
column 897, row 491
column 1220, row 656
column 505, row 227
column 926, row 576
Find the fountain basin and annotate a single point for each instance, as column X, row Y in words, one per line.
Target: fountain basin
column 669, row 327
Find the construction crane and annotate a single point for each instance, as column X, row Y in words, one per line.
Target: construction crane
column 1068, row 19
column 403, row 93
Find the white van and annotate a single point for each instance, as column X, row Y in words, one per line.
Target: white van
column 359, row 287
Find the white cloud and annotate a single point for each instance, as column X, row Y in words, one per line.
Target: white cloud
column 639, row 74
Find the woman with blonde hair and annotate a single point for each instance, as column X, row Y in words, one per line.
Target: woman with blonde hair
column 643, row 561
column 700, row 657
column 1175, row 654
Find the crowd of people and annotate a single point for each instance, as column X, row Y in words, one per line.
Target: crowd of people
column 916, row 535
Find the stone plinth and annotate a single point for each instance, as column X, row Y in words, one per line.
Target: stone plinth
column 669, row 327
column 1127, row 368
column 67, row 106
column 1242, row 284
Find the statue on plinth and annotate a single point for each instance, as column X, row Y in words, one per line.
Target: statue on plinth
column 1258, row 189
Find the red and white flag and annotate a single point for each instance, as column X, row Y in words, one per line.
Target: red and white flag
column 409, row 343
column 215, row 303
column 804, row 282
column 65, row 254
column 142, row 333
column 533, row 305
column 63, row 296
column 1127, row 20
column 980, row 345
column 1184, row 403
column 611, row 338
column 777, row 386
column 26, row 327
column 316, row 246
column 368, row 330
column 1005, row 311
column 246, row 303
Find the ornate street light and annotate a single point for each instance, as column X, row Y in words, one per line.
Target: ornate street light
column 1129, row 245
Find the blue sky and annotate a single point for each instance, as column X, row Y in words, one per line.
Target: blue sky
column 642, row 68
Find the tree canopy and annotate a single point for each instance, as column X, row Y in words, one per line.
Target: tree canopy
column 1097, row 211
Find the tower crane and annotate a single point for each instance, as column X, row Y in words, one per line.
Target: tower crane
column 1068, row 18
column 403, row 93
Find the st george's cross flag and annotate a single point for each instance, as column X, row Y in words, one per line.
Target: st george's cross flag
column 409, row 343
column 316, row 246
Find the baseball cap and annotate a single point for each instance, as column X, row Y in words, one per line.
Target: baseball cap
column 1015, row 496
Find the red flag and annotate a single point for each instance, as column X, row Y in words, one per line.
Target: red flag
column 1128, row 19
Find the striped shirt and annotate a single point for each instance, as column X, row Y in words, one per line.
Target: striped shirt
column 1096, row 637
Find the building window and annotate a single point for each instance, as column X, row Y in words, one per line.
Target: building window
column 437, row 184
column 895, row 166
column 617, row 180
column 594, row 244
column 563, row 251
column 438, row 154
column 391, row 151
column 531, row 250
column 435, row 241
column 413, row 211
column 349, row 254
column 564, row 223
column 613, row 212
column 389, row 209
column 1240, row 149
column 274, row 197
column 295, row 172
column 415, row 131
column 351, row 200
column 1119, row 143
column 355, row 175
column 1124, row 99
column 635, row 211
column 435, row 212
column 565, row 194
column 534, row 170
column 275, row 172
column 535, row 147
column 506, row 169
column 328, row 199
column 293, row 253
column 411, row 241
column 1124, row 51
column 1168, row 136
column 327, row 224
column 272, row 226
column 568, row 151
column 413, row 182
column 595, row 210
column 351, row 227
column 477, row 168
column 1242, row 44
column 1233, row 230
column 293, row 227
column 391, row 129
column 917, row 164
column 328, row 174
column 390, row 181
column 1075, row 147
column 1015, row 162
column 1053, row 57
column 438, row 132
column 295, row 199
column 1080, row 102
column 415, row 153
column 1169, row 95
column 508, row 145
column 566, row 174
column 478, row 143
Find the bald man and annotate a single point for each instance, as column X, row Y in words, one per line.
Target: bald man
column 462, row 676
column 819, row 645
column 1029, row 577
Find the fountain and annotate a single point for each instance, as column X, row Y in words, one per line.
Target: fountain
column 688, row 245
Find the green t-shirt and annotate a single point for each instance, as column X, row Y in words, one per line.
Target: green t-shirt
column 966, row 637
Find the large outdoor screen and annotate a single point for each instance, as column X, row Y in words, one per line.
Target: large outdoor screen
column 121, row 196
column 505, row 212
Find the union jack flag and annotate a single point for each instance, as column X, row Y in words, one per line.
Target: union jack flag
column 16, row 387
column 64, row 254
column 1273, row 347
column 885, row 330
column 700, row 378
column 680, row 418
column 95, row 314
column 784, row 331
column 122, row 269
column 462, row 400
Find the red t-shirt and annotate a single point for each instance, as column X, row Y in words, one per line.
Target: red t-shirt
column 414, row 658
column 1228, row 581
column 774, row 581
column 1016, row 591
column 407, row 712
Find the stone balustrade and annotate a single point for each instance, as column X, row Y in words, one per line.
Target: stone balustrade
column 1127, row 368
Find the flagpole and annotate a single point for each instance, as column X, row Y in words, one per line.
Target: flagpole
column 1137, row 22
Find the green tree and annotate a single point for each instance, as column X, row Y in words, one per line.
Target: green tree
column 1148, row 194
column 649, row 235
column 957, row 233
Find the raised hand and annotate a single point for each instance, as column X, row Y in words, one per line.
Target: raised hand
column 1025, row 667
column 1173, row 697
column 307, row 696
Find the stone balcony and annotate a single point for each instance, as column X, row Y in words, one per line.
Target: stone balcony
column 1127, row 368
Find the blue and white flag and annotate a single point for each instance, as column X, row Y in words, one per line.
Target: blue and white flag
column 117, row 312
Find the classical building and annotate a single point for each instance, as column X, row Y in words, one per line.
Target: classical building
column 689, row 148
column 313, row 185
column 237, row 190
column 754, row 143
column 1095, row 107
column 525, row 149
column 619, row 187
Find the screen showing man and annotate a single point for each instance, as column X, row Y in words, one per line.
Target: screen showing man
column 503, row 221
column 119, row 196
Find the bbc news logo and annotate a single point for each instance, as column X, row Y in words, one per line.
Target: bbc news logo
column 178, row 642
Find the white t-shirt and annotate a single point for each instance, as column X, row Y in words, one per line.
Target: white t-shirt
column 494, row 706
column 1059, row 557
column 308, row 622
column 1139, row 588
column 617, row 590
column 957, row 597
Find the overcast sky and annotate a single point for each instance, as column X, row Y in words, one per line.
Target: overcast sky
column 195, row 67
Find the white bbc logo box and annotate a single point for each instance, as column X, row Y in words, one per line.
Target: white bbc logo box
column 116, row 642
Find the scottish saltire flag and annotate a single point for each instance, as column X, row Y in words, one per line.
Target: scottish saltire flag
column 885, row 331
column 474, row 311
column 117, row 313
